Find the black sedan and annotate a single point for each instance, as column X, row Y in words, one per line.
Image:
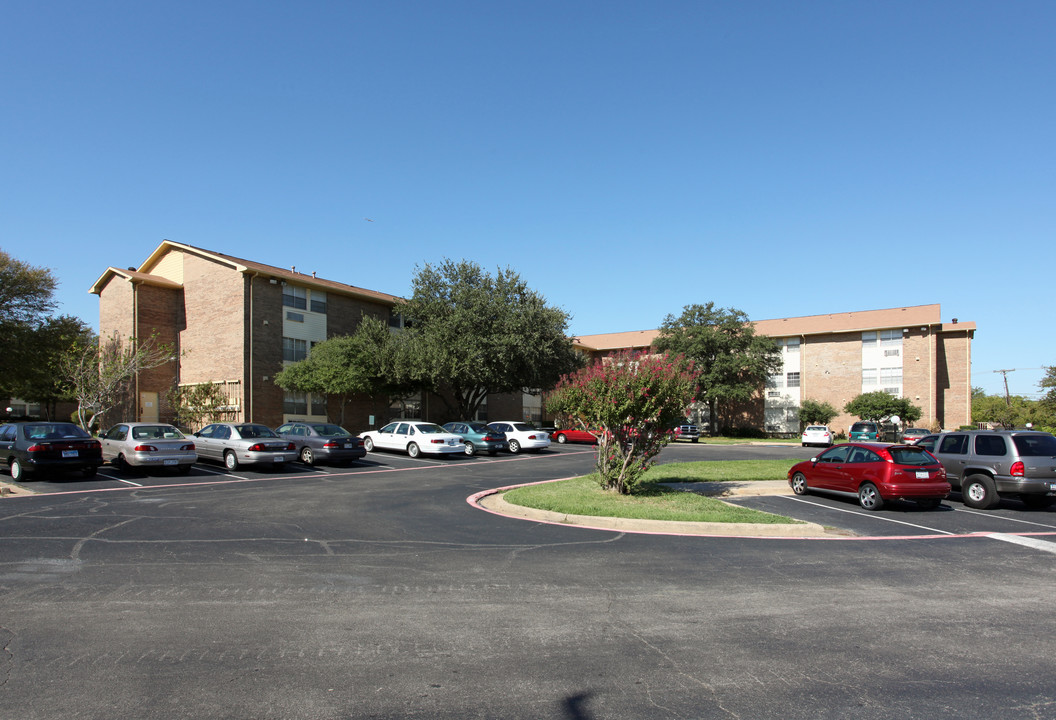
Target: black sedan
column 36, row 448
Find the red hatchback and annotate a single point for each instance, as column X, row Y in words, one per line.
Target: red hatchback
column 573, row 435
column 875, row 472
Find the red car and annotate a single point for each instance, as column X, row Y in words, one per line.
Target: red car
column 875, row 472
column 563, row 436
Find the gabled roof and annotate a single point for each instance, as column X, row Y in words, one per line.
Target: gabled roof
column 241, row 265
column 861, row 321
column 133, row 276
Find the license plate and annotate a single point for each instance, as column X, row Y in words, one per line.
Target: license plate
column 1052, row 487
column 348, row 445
column 170, row 462
column 922, row 474
column 279, row 458
column 69, row 453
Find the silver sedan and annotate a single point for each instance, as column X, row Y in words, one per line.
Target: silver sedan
column 236, row 444
column 148, row 445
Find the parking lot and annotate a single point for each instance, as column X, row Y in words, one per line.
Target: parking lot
column 376, row 591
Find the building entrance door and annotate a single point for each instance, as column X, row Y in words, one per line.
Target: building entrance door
column 148, row 407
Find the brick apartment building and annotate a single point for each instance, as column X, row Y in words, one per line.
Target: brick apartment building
column 908, row 352
column 235, row 323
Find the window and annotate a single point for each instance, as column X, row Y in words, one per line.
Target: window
column 318, row 404
column 775, row 381
column 793, row 379
column 294, row 350
column 990, row 445
column 318, row 302
column 294, row 317
column 792, row 345
column 954, row 445
column 869, row 339
column 869, row 377
column 295, row 297
column 891, row 380
column 890, row 338
column 295, row 403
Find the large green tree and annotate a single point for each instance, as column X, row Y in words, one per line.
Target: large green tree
column 39, row 378
column 26, row 300
column 879, row 405
column 633, row 402
column 362, row 363
column 731, row 361
column 815, row 412
column 471, row 334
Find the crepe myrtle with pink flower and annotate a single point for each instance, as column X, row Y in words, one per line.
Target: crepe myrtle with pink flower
column 634, row 399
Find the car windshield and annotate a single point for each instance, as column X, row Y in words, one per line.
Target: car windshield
column 1035, row 445
column 255, row 431
column 911, row 455
column 331, row 430
column 156, row 432
column 53, row 431
column 429, row 429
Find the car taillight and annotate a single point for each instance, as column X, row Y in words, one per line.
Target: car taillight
column 531, row 437
column 256, row 447
column 330, row 444
column 35, row 448
column 290, row 446
column 95, row 444
column 1017, row 469
column 188, row 446
column 145, row 448
column 434, row 441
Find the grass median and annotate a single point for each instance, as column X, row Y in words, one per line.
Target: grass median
column 584, row 496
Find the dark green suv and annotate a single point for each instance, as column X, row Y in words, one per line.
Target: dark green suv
column 864, row 431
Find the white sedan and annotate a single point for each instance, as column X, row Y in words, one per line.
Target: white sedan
column 413, row 437
column 818, row 435
column 521, row 436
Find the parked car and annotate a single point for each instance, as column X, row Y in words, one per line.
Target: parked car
column 413, row 437
column 477, row 436
column 986, row 465
column 912, row 436
column 32, row 448
column 322, row 442
column 685, row 431
column 818, row 435
column 573, row 435
column 236, row 444
column 148, row 445
column 875, row 473
column 521, row 435
column 864, row 431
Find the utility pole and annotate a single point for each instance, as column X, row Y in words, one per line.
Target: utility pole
column 1004, row 373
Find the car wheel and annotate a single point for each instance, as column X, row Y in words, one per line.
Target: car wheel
column 561, row 439
column 307, row 456
column 17, row 471
column 803, row 444
column 89, row 472
column 1037, row 502
column 471, row 449
column 413, row 450
column 368, row 444
column 799, row 484
column 515, row 447
column 869, row 497
column 230, row 461
column 929, row 504
column 979, row 492
column 120, row 463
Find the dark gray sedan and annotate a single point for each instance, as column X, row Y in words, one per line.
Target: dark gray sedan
column 322, row 442
column 236, row 444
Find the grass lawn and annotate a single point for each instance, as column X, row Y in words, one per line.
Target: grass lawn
column 583, row 495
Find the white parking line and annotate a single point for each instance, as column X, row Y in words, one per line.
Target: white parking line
column 870, row 515
column 1002, row 517
column 1043, row 545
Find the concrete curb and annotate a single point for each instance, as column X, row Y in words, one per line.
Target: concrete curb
column 493, row 502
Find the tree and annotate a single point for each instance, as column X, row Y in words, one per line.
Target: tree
column 346, row 365
column 99, row 374
column 879, row 405
column 472, row 334
column 197, row 405
column 813, row 412
column 634, row 400
column 732, row 362
column 25, row 302
column 39, row 378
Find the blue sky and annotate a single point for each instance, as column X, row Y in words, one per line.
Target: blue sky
column 626, row 158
